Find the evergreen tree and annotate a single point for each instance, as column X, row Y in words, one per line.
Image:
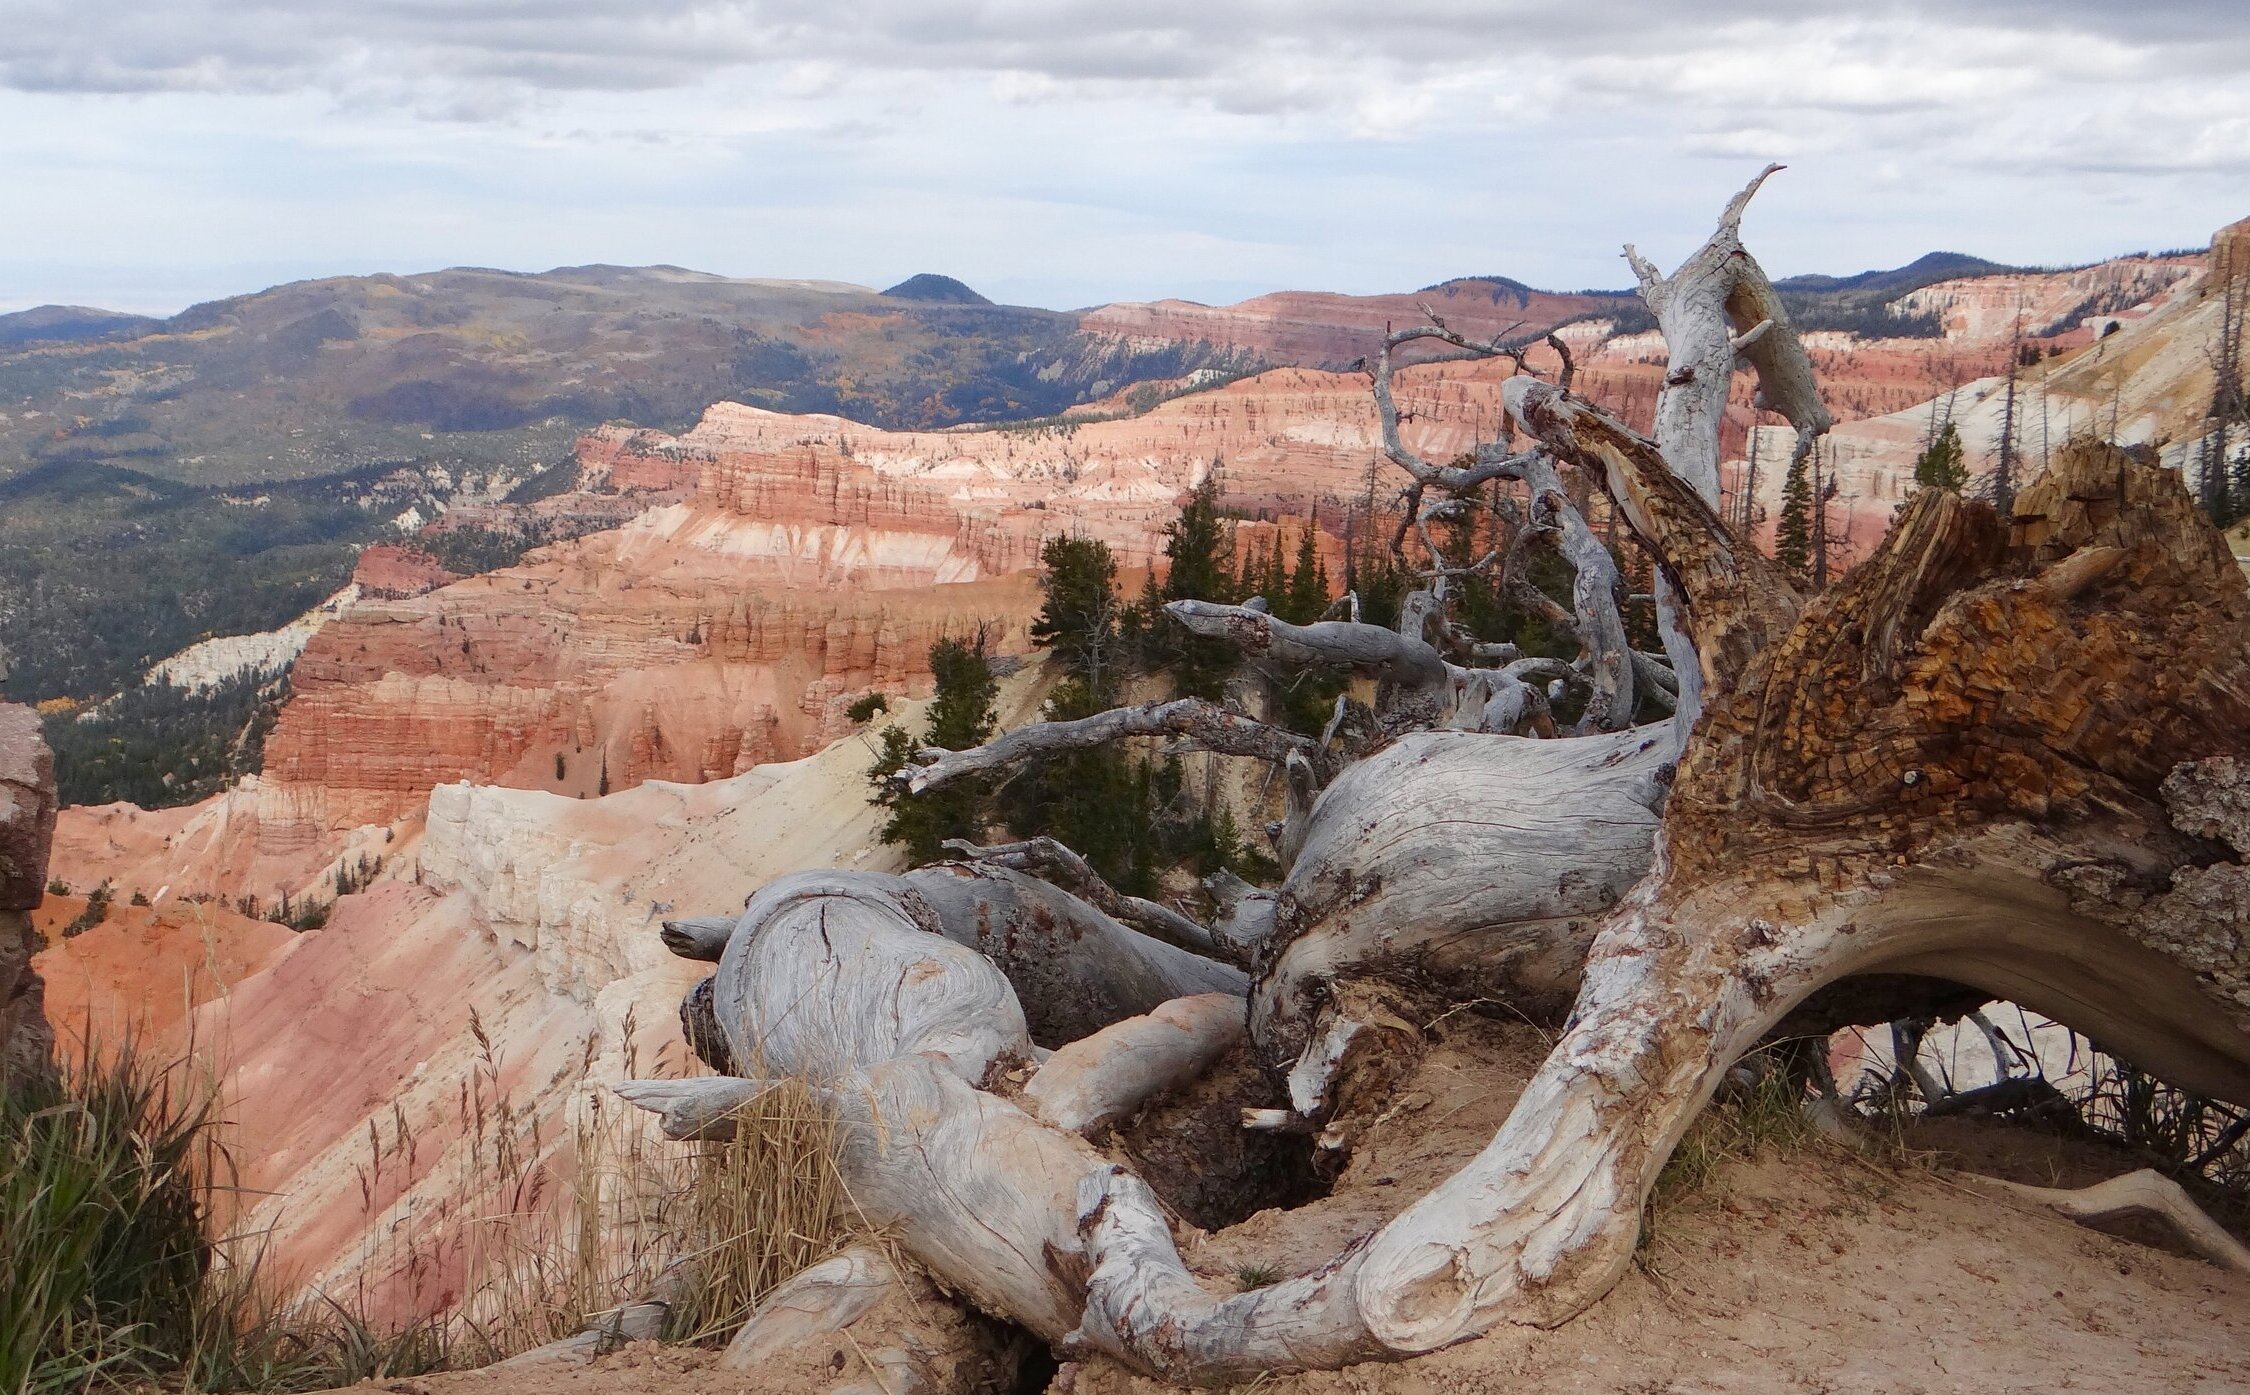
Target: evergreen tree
column 1095, row 801
column 1306, row 595
column 961, row 714
column 2215, row 479
column 1200, row 547
column 1943, row 464
column 1273, row 580
column 1078, row 576
column 960, row 717
column 1792, row 538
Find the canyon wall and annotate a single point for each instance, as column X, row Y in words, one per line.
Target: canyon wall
column 765, row 569
column 486, row 987
column 773, row 568
column 644, row 720
column 2143, row 377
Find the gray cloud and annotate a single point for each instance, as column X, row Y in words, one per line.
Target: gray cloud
column 1220, row 142
column 1199, row 48
column 2093, row 83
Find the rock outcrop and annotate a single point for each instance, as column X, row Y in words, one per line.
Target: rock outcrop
column 27, row 825
column 514, row 954
column 773, row 569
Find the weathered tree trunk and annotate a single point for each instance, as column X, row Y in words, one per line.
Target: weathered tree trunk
column 2004, row 753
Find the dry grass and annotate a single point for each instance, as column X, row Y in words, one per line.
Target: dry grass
column 763, row 1206
column 543, row 1240
column 1769, row 1113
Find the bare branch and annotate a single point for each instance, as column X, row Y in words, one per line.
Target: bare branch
column 1569, row 369
column 1331, row 644
column 2143, row 1193
column 1737, row 601
column 1208, row 725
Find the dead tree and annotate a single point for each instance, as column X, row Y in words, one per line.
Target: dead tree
column 2005, row 752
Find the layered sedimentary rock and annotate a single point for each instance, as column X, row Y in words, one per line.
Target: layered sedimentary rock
column 178, row 956
column 268, row 652
column 766, row 569
column 264, row 838
column 394, row 571
column 27, row 822
column 2142, row 377
column 514, row 956
column 769, row 568
column 1327, row 330
column 774, row 568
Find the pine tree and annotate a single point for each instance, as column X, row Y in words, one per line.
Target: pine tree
column 1943, row 464
column 1079, row 621
column 1273, row 579
column 960, row 717
column 961, row 714
column 1792, row 538
column 1200, row 547
column 1306, row 595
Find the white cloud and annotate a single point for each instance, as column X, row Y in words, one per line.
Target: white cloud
column 1078, row 149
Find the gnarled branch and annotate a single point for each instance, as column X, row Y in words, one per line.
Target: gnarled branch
column 1208, row 725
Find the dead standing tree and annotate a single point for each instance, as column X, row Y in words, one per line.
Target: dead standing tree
column 2003, row 753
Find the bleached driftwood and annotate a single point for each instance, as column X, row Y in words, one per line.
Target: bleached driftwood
column 827, row 1298
column 1207, row 725
column 1095, row 1081
column 1051, row 861
column 700, row 1108
column 634, row 1322
column 1716, row 309
column 2143, row 1193
column 1072, row 968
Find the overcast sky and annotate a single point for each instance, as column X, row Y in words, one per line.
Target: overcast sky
column 1070, row 152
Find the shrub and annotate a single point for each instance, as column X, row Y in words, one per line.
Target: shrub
column 96, row 911
column 864, row 709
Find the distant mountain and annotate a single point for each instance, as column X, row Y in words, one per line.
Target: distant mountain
column 1925, row 270
column 1861, row 303
column 65, row 324
column 168, row 441
column 440, row 385
column 940, row 290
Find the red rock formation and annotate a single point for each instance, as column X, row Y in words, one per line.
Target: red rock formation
column 1327, row 330
column 772, row 567
column 393, row 571
column 779, row 567
column 178, row 956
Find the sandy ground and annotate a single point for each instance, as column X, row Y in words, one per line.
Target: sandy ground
column 1810, row 1269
